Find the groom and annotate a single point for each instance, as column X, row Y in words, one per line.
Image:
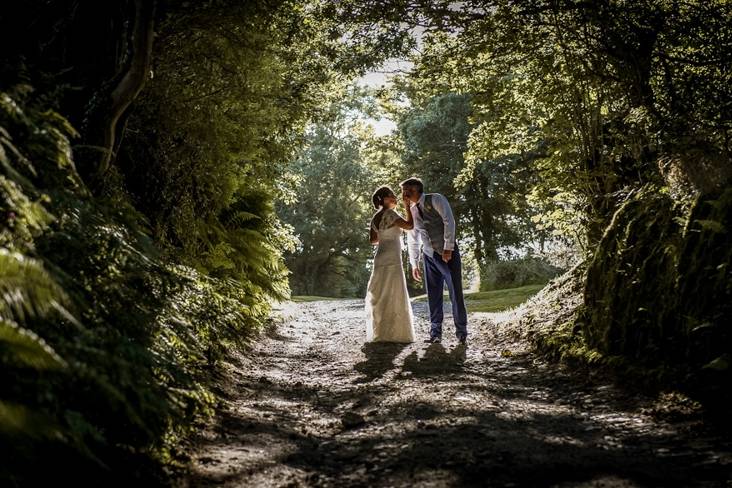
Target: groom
column 434, row 232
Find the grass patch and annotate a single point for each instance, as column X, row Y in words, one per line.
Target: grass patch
column 495, row 300
column 312, row 298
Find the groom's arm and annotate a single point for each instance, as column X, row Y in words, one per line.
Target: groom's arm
column 442, row 206
column 413, row 245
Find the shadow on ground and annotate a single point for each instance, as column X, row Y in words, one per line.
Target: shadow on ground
column 309, row 410
column 380, row 358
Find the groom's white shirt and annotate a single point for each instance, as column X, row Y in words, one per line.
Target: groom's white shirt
column 417, row 237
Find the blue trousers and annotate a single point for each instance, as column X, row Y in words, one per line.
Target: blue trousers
column 436, row 274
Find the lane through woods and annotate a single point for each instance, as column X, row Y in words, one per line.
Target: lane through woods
column 310, row 405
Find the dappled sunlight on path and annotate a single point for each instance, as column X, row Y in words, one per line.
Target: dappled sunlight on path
column 312, row 405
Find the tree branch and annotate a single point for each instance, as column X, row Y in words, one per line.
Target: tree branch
column 130, row 83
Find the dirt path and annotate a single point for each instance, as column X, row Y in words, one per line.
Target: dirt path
column 312, row 406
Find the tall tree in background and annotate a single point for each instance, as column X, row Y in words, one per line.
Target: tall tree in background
column 487, row 199
column 331, row 205
column 435, row 136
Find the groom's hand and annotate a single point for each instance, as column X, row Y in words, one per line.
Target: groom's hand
column 416, row 274
column 446, row 255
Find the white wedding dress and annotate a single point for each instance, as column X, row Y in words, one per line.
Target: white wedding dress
column 388, row 311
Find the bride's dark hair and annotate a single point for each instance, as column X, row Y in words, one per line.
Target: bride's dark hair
column 380, row 194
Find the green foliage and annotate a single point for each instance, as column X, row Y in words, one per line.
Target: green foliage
column 705, row 277
column 248, row 82
column 612, row 119
column 489, row 205
column 435, row 136
column 116, row 308
column 23, row 347
column 207, row 180
column 658, row 289
column 596, row 92
column 631, row 275
column 621, row 115
column 331, row 208
column 513, row 273
column 27, row 289
column 106, row 349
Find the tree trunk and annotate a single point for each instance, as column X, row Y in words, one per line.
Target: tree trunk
column 110, row 105
column 477, row 235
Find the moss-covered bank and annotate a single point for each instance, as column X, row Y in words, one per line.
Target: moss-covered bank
column 655, row 300
column 658, row 288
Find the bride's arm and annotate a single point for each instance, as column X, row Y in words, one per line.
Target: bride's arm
column 407, row 224
column 373, row 225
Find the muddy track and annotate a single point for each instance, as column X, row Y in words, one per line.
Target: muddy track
column 311, row 405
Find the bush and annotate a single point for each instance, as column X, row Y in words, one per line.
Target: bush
column 106, row 348
column 513, row 273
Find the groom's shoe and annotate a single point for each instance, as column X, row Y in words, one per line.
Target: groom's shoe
column 433, row 340
column 463, row 340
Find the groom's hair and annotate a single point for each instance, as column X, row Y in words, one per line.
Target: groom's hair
column 413, row 181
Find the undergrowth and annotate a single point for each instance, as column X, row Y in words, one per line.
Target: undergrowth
column 652, row 306
column 106, row 347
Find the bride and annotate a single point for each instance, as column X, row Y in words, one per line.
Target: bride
column 387, row 303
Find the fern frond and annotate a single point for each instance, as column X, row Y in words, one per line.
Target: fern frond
column 26, row 289
column 17, row 419
column 24, row 348
column 6, row 146
column 240, row 218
